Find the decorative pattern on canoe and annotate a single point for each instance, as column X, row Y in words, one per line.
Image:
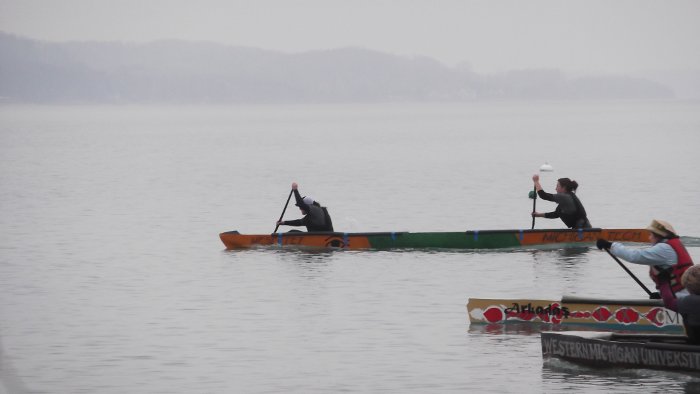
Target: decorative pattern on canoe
column 616, row 315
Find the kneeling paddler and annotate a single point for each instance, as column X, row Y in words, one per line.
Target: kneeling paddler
column 316, row 217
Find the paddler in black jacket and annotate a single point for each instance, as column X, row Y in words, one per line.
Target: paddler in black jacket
column 688, row 306
column 569, row 208
column 316, row 217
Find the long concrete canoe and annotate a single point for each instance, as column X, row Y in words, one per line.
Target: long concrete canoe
column 486, row 239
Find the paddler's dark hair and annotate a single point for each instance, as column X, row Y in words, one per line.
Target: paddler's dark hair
column 691, row 279
column 569, row 185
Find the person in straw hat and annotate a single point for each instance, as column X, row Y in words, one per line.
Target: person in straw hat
column 689, row 306
column 665, row 256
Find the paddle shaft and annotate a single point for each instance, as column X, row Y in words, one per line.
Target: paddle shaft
column 628, row 271
column 534, row 203
column 285, row 208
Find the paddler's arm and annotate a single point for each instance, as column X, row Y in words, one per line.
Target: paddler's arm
column 297, row 196
column 300, row 201
column 654, row 255
column 552, row 215
column 549, row 215
column 536, row 180
column 297, row 222
column 545, row 196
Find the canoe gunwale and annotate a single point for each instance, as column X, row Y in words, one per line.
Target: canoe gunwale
column 398, row 233
column 610, row 301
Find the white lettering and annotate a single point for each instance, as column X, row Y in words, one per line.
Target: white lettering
column 629, row 354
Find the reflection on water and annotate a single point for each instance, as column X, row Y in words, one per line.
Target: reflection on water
column 514, row 328
column 574, row 254
column 306, row 254
column 10, row 382
column 579, row 376
column 570, row 255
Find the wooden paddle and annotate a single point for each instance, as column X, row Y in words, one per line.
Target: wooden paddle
column 629, row 272
column 285, row 208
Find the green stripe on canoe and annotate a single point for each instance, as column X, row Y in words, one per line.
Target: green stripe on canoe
column 451, row 240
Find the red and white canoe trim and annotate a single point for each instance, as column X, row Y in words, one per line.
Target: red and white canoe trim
column 597, row 313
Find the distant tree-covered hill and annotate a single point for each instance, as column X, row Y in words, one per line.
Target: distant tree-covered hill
column 203, row 72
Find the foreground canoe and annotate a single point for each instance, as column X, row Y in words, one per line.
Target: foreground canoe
column 576, row 312
column 486, row 239
column 607, row 349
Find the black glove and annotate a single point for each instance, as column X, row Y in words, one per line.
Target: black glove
column 655, row 296
column 664, row 275
column 603, row 244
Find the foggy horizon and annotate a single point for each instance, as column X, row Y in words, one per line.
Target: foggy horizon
column 624, row 37
column 176, row 71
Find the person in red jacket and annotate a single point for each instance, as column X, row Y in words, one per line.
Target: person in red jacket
column 666, row 255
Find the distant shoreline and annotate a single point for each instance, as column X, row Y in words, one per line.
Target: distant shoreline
column 180, row 72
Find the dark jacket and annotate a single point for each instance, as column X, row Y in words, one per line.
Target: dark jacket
column 317, row 217
column 689, row 309
column 569, row 209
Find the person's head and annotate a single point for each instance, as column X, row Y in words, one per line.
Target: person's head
column 660, row 229
column 308, row 201
column 691, row 279
column 566, row 185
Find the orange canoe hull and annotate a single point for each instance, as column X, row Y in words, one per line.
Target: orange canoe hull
column 487, row 239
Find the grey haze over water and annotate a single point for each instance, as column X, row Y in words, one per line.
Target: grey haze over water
column 315, row 51
column 580, row 36
column 192, row 72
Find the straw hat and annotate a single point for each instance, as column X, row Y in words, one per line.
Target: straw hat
column 691, row 279
column 662, row 228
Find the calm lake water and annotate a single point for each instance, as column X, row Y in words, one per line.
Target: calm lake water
column 113, row 278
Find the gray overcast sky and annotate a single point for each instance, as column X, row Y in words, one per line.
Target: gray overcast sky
column 617, row 36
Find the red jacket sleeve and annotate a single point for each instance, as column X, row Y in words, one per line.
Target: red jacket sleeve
column 670, row 300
